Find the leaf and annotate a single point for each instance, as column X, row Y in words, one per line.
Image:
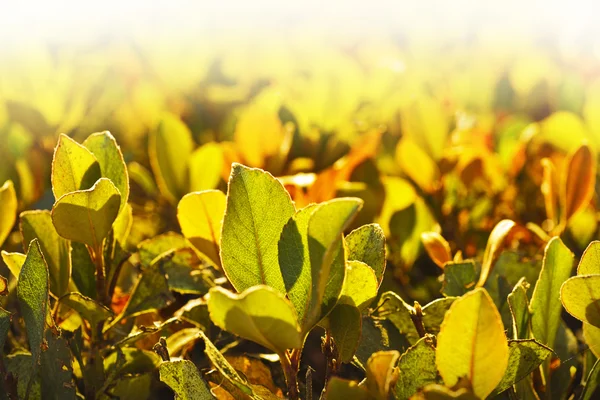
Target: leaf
column 294, row 262
column 88, row 308
column 545, row 302
column 38, row 225
column 580, row 295
column 5, row 319
column 459, row 278
column 185, row 273
column 519, row 308
column 130, row 360
column 591, row 382
column 524, row 356
column 183, row 377
column 143, row 331
column 591, row 334
column 132, row 387
column 150, row 249
column 345, row 328
column 87, row 216
column 578, row 182
column 260, row 314
column 472, row 344
column 57, row 369
column 14, row 262
column 200, row 216
column 32, row 294
column 437, row 247
column 367, row 244
column 169, row 149
column 205, row 165
column 122, row 225
column 327, row 259
column 73, row 167
column 19, row 365
column 416, row 369
column 341, row 389
column 417, row 164
column 360, row 286
column 381, row 373
column 3, row 286
column 195, row 312
column 378, row 335
column 493, row 248
column 84, row 273
column 590, row 260
column 258, row 207
column 112, row 165
column 8, row 209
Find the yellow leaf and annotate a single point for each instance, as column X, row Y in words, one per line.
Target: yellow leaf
column 8, row 209
column 417, row 164
column 437, row 247
column 472, row 343
column 578, row 182
column 493, row 248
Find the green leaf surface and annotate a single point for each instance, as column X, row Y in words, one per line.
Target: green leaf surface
column 345, row 328
column 5, row 319
column 258, row 207
column 200, row 216
column 123, row 223
column 580, row 296
column 416, row 369
column 38, row 225
column 183, row 378
column 519, row 308
column 459, row 278
column 56, row 369
column 592, row 381
column 260, row 314
column 378, row 335
column 130, row 360
column 342, row 389
column 524, row 356
column 14, row 262
column 132, row 387
column 367, row 244
column 590, row 260
column 545, row 302
column 84, row 271
column 112, row 165
column 19, row 365
column 73, row 167
column 360, row 286
column 32, row 294
column 87, row 216
column 294, row 261
column 195, row 312
column 205, row 164
column 89, row 309
column 185, row 273
column 151, row 248
column 169, row 148
column 8, row 209
column 143, row 331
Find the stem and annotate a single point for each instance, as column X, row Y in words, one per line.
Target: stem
column 290, row 361
column 100, row 277
column 417, row 319
column 330, row 352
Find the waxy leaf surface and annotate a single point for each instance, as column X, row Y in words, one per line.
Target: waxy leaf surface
column 73, row 167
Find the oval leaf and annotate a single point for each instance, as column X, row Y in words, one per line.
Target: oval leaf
column 367, row 244
column 183, row 377
column 87, row 216
column 73, row 167
column 89, row 309
column 579, row 180
column 345, row 328
column 260, row 314
column 493, row 248
column 8, row 209
column 580, row 296
column 360, row 286
column 472, row 344
column 437, row 247
column 417, row 369
column 590, row 260
column 206, row 164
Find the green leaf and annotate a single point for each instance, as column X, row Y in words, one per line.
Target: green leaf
column 122, row 225
column 545, row 302
column 416, row 369
column 185, row 273
column 381, row 371
column 591, row 334
column 183, row 377
column 84, row 273
column 151, row 292
column 327, row 254
column 339, row 389
column 260, row 314
column 195, row 312
column 169, row 148
column 136, row 361
column 345, row 328
column 73, row 167
column 112, row 165
column 590, row 260
column 151, row 248
column 580, row 296
column 88, row 309
column 5, row 319
column 367, row 244
column 471, row 343
column 8, row 209
column 360, row 286
column 205, row 164
column 258, row 207
column 143, row 331
column 32, row 294
column 519, row 308
column 200, row 216
column 459, row 278
column 591, row 382
column 87, row 216
column 294, row 262
column 19, row 365
column 56, row 369
column 14, row 262
column 378, row 335
column 132, row 387
column 524, row 356
column 38, row 225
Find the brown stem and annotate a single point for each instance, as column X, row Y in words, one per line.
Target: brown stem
column 100, row 276
column 417, row 319
column 290, row 361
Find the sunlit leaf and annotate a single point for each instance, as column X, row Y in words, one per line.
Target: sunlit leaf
column 578, row 181
column 87, row 215
column 89, row 309
column 417, row 164
column 580, row 295
column 417, row 368
column 14, row 262
column 73, row 167
column 472, row 344
column 260, row 314
column 340, row 389
column 183, row 377
column 437, row 247
column 381, row 372
column 206, row 164
column 360, row 285
column 590, row 260
column 493, row 248
column 519, row 308
column 459, row 278
column 345, row 328
column 8, row 209
column 200, row 216
column 367, row 244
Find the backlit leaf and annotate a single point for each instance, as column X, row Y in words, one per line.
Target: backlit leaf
column 590, row 260
column 591, row 382
column 112, row 165
column 87, row 215
column 73, row 167
column 345, row 328
column 89, row 309
column 165, row 243
column 519, row 308
column 417, row 368
column 205, row 165
column 417, row 164
column 258, row 207
column 84, row 273
column 260, row 314
column 472, row 344
column 200, row 216
column 459, row 278
column 183, row 377
column 14, row 262
column 367, row 244
column 578, row 181
column 591, row 334
column 360, row 285
column 340, row 389
column 580, row 296
column 381, row 372
column 8, row 209
column 494, row 246
column 437, row 247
